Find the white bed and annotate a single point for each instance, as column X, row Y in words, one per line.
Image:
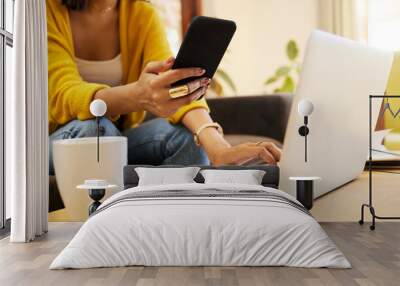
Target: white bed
column 222, row 225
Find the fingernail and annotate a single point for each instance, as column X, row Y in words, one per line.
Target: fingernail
column 170, row 60
column 205, row 81
column 201, row 71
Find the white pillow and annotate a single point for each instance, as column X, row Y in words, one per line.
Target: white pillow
column 164, row 176
column 248, row 177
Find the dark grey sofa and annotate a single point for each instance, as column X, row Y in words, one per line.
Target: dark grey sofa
column 244, row 119
column 250, row 118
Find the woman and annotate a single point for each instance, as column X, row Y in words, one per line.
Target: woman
column 116, row 50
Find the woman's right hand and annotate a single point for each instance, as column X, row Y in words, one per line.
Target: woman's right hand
column 151, row 91
column 154, row 84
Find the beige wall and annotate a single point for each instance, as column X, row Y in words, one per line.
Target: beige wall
column 264, row 27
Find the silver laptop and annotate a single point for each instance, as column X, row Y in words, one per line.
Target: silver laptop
column 338, row 75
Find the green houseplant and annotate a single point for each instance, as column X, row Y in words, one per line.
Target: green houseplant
column 284, row 78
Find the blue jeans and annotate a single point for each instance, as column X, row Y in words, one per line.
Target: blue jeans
column 155, row 142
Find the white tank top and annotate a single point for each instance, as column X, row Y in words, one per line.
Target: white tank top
column 106, row 72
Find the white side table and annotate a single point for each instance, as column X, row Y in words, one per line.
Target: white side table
column 305, row 190
column 97, row 190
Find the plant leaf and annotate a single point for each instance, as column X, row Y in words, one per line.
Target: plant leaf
column 270, row 80
column 226, row 78
column 288, row 85
column 292, row 50
column 282, row 71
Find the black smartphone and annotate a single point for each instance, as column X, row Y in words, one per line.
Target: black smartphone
column 204, row 46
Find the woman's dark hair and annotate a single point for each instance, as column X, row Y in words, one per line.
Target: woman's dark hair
column 75, row 4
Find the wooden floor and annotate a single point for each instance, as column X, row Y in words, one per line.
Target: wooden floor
column 375, row 257
column 344, row 203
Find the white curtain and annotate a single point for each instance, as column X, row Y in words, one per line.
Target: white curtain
column 27, row 127
column 347, row 18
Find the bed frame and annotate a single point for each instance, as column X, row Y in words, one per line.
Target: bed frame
column 271, row 177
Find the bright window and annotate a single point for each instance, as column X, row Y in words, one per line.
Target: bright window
column 384, row 24
column 170, row 13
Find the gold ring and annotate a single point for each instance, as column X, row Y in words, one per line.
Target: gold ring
column 178, row 91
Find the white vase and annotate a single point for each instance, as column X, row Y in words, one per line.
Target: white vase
column 75, row 160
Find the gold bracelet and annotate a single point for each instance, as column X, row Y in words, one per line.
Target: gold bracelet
column 204, row 126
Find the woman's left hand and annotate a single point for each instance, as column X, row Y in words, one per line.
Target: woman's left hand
column 240, row 154
column 220, row 152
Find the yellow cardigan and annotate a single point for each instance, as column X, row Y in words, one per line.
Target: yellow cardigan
column 142, row 39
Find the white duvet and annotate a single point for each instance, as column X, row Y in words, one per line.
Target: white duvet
column 188, row 231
